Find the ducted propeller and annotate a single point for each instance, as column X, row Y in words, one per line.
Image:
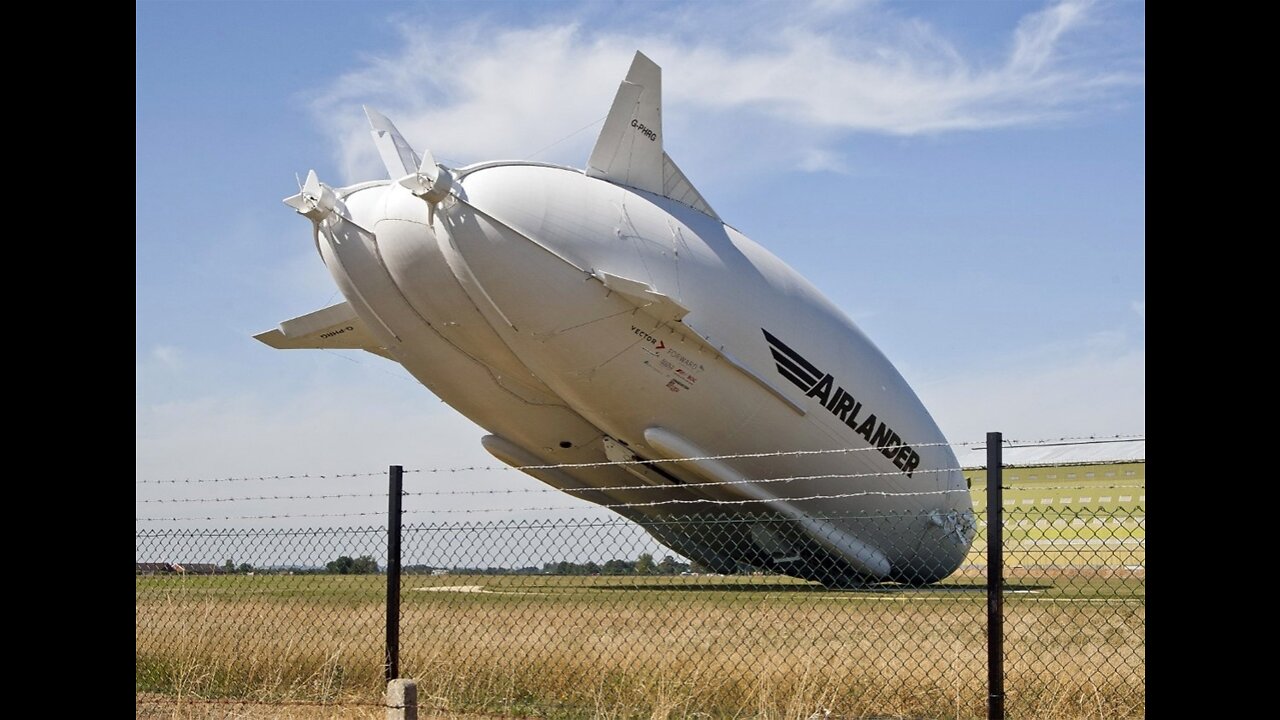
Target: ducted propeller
column 424, row 178
column 320, row 204
column 315, row 200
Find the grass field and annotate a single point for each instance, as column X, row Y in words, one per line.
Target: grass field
column 1110, row 487
column 699, row 646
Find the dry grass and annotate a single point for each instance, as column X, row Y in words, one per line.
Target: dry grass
column 615, row 647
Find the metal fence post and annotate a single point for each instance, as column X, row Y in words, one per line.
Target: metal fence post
column 394, row 494
column 995, row 577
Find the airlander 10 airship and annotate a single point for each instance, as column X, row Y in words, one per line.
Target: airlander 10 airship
column 608, row 315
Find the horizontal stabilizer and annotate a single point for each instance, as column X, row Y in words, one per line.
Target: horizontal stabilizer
column 335, row 328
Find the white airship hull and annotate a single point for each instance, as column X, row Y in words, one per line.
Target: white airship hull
column 580, row 320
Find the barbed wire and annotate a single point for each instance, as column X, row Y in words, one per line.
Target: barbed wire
column 608, row 463
column 268, row 497
column 273, row 516
column 1075, row 440
column 607, row 506
column 533, row 490
column 550, row 466
column 272, row 703
column 261, row 478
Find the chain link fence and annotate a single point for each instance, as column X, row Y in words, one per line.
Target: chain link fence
column 270, row 615
column 591, row 618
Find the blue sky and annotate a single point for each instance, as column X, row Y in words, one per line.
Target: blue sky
column 966, row 180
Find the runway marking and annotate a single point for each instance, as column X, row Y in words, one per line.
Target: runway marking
column 1105, row 499
column 1126, row 498
column 1085, row 500
column 1084, row 542
column 479, row 589
column 1099, row 601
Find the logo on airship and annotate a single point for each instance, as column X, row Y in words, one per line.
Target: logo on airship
column 819, row 385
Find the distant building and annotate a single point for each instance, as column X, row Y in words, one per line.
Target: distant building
column 152, row 568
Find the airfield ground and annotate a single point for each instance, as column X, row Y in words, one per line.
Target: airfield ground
column 764, row 646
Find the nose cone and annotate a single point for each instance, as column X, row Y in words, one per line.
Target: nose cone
column 947, row 538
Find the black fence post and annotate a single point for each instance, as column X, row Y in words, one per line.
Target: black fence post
column 995, row 577
column 394, row 494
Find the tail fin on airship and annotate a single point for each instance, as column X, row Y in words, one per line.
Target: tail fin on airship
column 629, row 150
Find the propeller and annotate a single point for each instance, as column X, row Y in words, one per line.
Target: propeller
column 314, row 200
column 319, row 203
column 424, row 178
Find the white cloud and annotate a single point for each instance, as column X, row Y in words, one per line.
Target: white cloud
column 1140, row 308
column 819, row 160
column 485, row 92
column 167, row 356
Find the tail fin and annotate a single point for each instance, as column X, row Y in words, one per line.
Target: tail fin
column 629, row 150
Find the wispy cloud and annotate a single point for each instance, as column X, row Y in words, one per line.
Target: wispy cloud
column 818, row 160
column 486, row 91
column 167, row 356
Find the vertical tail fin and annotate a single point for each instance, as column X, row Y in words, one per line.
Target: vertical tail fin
column 629, row 149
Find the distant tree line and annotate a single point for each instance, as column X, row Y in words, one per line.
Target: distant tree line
column 346, row 565
column 643, row 565
column 367, row 565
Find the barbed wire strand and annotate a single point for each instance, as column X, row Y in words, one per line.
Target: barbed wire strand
column 607, row 506
column 977, row 444
column 272, row 703
column 533, row 490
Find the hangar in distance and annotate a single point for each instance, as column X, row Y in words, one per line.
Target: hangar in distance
column 609, row 315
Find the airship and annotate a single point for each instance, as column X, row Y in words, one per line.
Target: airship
column 622, row 343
